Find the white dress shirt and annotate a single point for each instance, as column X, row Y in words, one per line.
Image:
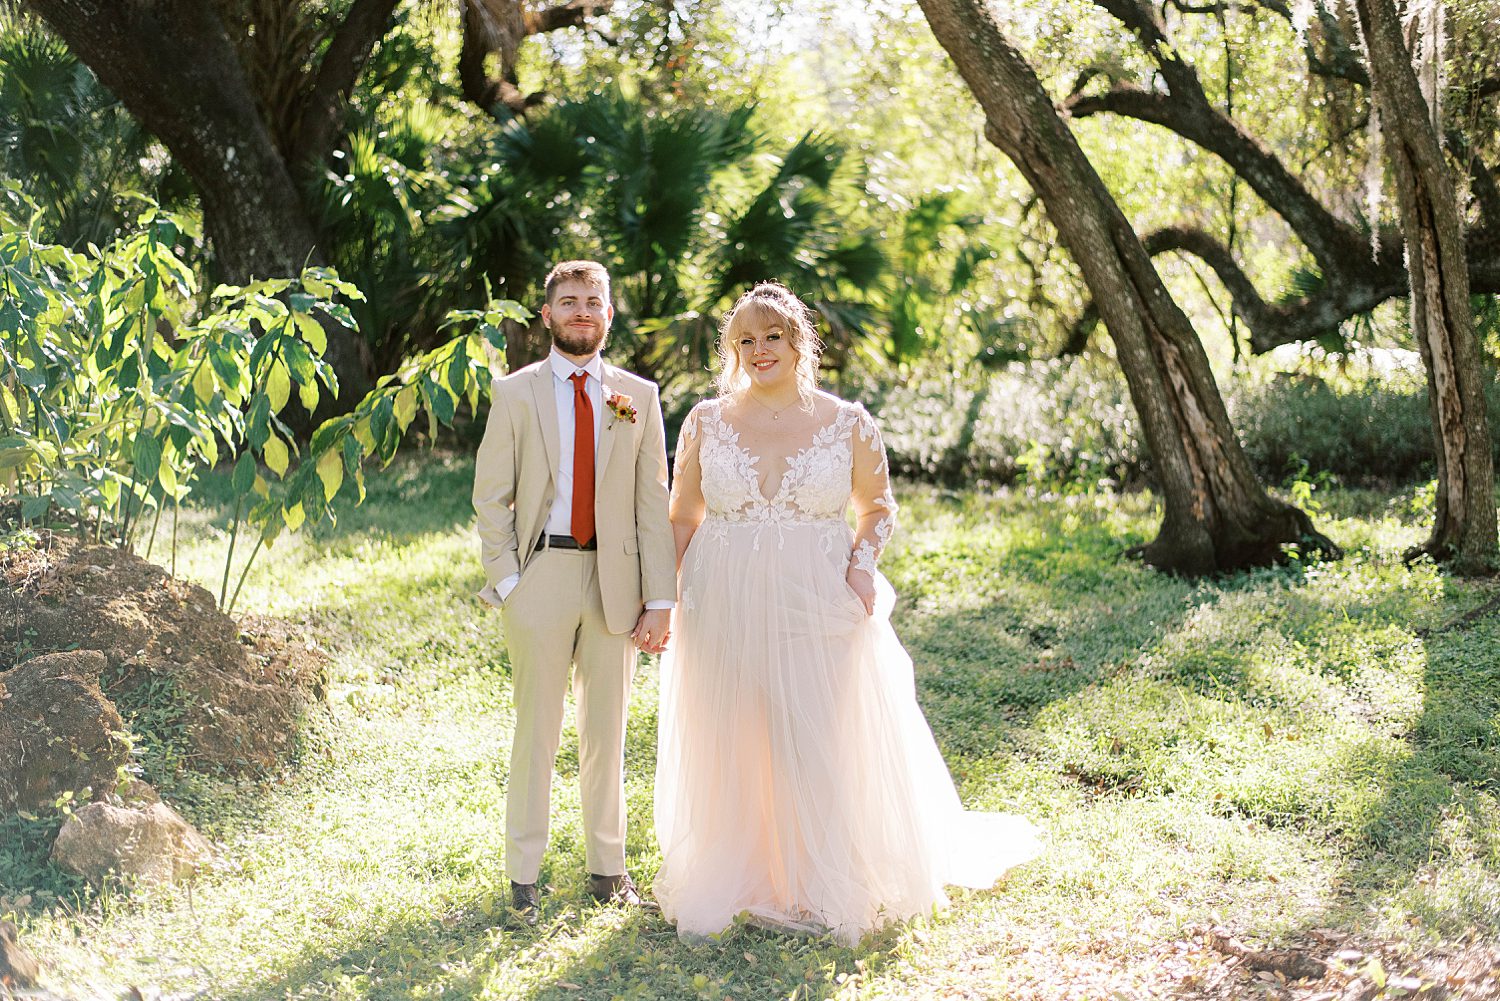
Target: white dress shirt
column 560, row 518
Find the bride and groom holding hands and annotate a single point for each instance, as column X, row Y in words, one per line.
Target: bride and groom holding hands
column 797, row 781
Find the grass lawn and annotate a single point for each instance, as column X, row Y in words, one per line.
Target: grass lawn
column 1273, row 753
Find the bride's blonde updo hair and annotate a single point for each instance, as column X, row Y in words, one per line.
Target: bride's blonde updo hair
column 768, row 304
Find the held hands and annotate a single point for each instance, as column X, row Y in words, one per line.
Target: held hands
column 652, row 630
column 862, row 583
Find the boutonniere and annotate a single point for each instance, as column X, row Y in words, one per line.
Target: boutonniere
column 620, row 408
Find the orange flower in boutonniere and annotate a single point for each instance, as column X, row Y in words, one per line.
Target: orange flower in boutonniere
column 620, row 408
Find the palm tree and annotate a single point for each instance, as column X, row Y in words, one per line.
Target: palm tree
column 686, row 205
column 73, row 148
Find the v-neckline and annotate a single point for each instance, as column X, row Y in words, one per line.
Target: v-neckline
column 787, row 461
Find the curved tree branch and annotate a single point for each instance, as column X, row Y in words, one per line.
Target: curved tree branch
column 499, row 27
column 1481, row 178
column 1329, row 239
column 322, row 110
column 1271, row 324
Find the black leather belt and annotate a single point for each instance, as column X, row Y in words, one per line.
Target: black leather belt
column 564, row 542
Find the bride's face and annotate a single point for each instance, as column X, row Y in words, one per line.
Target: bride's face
column 767, row 356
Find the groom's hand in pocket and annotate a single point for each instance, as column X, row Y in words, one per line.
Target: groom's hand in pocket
column 653, row 629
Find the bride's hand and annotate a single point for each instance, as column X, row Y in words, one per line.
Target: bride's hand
column 863, row 584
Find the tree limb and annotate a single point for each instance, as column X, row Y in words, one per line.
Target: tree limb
column 499, row 27
column 1329, row 239
column 573, row 14
column 351, row 46
column 1271, row 324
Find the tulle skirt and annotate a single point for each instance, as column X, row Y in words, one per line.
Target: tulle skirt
column 797, row 780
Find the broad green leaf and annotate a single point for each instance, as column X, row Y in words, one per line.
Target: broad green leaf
column 331, row 472
column 146, row 456
column 363, row 434
column 440, row 401
column 405, row 407
column 299, row 362
column 203, row 382
column 224, row 366
column 260, row 425
column 278, row 386
column 307, row 393
column 14, row 456
column 244, row 474
column 276, row 454
column 311, row 332
column 294, row 517
column 353, row 454
column 208, row 447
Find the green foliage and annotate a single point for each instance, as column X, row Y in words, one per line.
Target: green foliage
column 1271, row 752
column 1070, row 426
column 1054, row 425
column 116, row 393
column 1370, row 430
column 68, row 142
column 687, row 205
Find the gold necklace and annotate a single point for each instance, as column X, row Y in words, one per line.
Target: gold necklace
column 775, row 414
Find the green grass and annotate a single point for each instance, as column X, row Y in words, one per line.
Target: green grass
column 1274, row 751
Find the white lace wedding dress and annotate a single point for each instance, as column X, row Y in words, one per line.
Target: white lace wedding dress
column 797, row 780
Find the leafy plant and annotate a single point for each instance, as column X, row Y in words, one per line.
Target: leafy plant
column 116, row 390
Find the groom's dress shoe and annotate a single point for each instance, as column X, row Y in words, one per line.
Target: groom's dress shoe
column 525, row 902
column 619, row 889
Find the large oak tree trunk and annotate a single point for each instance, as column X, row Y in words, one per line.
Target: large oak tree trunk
column 1218, row 516
column 173, row 64
column 1464, row 532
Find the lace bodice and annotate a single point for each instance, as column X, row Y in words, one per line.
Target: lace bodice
column 718, row 477
column 815, row 484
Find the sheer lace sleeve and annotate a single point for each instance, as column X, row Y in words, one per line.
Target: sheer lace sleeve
column 874, row 504
column 687, row 484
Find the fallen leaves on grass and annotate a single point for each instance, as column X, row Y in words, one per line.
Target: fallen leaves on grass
column 1327, row 965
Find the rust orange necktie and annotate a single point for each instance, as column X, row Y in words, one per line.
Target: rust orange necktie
column 583, row 460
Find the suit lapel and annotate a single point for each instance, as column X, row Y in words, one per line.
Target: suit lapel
column 546, row 414
column 606, row 436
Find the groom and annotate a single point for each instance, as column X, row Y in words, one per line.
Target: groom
column 570, row 486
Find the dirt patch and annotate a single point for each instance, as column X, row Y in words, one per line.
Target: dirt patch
column 229, row 692
column 58, row 732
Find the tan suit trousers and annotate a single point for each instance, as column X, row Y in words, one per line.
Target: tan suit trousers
column 554, row 627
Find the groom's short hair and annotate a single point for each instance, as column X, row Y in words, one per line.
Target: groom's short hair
column 588, row 272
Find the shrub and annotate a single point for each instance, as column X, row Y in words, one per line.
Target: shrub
column 1052, row 423
column 1070, row 426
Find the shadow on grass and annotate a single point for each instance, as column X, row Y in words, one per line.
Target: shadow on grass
column 422, row 492
column 578, row 951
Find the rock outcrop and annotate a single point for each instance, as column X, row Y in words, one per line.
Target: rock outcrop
column 150, row 843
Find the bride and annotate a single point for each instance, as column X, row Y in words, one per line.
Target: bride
column 797, row 781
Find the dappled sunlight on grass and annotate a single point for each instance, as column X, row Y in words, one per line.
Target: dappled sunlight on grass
column 1271, row 751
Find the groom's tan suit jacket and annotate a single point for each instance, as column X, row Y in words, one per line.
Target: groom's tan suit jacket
column 514, row 489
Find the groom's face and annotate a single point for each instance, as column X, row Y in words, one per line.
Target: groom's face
column 578, row 317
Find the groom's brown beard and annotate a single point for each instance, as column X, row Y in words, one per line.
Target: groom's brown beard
column 577, row 345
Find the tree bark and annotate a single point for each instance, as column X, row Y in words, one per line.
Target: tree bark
column 1218, row 516
column 1353, row 283
column 1464, row 530
column 498, row 27
column 173, row 65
